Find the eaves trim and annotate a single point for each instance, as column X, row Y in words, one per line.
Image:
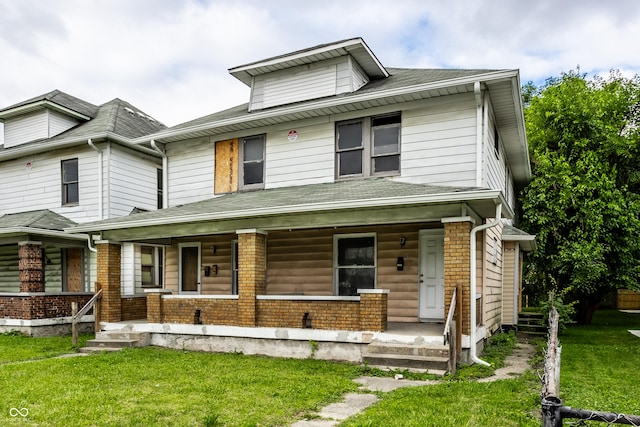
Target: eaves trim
column 439, row 198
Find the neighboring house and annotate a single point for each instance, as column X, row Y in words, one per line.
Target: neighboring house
column 345, row 196
column 65, row 161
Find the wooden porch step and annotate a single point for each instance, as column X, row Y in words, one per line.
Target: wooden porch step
column 531, row 324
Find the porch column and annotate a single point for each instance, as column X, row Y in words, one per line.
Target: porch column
column 373, row 309
column 154, row 304
column 109, row 261
column 252, row 271
column 457, row 269
column 30, row 266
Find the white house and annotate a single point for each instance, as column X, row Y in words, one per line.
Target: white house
column 66, row 161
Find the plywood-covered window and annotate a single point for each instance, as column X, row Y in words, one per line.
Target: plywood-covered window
column 239, row 164
column 368, row 146
column 354, row 263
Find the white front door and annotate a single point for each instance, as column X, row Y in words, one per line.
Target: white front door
column 431, row 276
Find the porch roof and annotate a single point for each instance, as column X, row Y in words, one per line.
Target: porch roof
column 342, row 196
column 512, row 234
column 38, row 223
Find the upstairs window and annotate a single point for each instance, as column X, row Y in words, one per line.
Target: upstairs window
column 368, row 147
column 159, row 189
column 70, row 186
column 252, row 158
column 354, row 263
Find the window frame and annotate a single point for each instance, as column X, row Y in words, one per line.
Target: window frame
column 159, row 188
column 367, row 148
column 64, row 184
column 157, row 267
column 337, row 267
column 242, row 162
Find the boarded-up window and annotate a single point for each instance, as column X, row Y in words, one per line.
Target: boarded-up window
column 226, row 173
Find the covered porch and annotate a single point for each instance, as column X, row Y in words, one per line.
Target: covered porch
column 43, row 271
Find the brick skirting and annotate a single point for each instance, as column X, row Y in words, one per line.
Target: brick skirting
column 40, row 305
column 134, row 307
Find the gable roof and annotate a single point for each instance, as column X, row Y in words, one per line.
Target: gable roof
column 356, row 47
column 512, row 234
column 56, row 100
column 315, row 198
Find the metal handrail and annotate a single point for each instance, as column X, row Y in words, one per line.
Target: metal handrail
column 452, row 309
column 87, row 306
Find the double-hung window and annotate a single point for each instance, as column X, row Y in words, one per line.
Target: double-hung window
column 252, row 161
column 151, row 262
column 70, row 186
column 354, row 263
column 368, row 147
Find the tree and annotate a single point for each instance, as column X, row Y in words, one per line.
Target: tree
column 583, row 202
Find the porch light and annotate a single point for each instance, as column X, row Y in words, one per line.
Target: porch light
column 403, row 240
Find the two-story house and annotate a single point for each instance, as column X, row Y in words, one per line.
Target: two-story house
column 345, row 197
column 66, row 161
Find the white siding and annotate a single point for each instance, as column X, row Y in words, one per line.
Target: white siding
column 438, row 142
column 325, row 78
column 132, row 181
column 127, row 269
column 90, row 270
column 23, row 189
column 59, row 122
column 26, row 128
column 494, row 161
column 308, row 160
column 190, row 173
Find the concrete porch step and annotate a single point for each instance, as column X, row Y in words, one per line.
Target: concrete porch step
column 116, row 340
column 431, row 357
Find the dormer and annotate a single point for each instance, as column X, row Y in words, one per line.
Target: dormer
column 317, row 72
column 43, row 117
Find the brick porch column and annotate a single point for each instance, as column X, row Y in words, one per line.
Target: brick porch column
column 373, row 309
column 457, row 269
column 109, row 260
column 154, row 304
column 252, row 270
column 30, row 266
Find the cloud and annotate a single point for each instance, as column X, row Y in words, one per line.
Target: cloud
column 170, row 57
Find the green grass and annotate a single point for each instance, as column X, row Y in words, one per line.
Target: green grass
column 17, row 347
column 161, row 387
column 601, row 364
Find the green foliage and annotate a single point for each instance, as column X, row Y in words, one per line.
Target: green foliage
column 565, row 311
column 583, row 202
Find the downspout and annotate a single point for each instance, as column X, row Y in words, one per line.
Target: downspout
column 100, row 182
column 165, row 174
column 472, row 285
column 477, row 90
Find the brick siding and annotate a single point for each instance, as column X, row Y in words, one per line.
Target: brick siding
column 32, row 307
column 134, row 308
column 457, row 267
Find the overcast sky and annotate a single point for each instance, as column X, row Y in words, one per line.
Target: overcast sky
column 170, row 58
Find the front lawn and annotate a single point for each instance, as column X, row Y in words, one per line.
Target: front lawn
column 160, row 387
column 17, row 347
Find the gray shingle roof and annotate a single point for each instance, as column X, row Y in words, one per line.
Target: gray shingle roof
column 287, row 198
column 63, row 99
column 399, row 78
column 41, row 219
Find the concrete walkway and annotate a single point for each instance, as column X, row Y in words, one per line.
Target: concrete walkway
column 515, row 364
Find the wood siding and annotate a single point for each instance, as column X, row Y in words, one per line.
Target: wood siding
column 509, row 276
column 492, row 295
column 300, row 262
column 9, row 274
